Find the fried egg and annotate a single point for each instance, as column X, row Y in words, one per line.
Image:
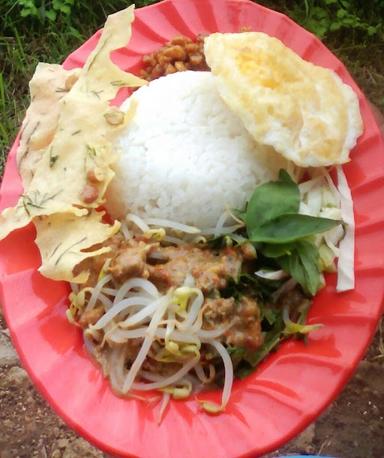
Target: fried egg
column 305, row 112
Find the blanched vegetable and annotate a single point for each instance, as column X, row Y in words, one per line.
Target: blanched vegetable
column 346, row 272
column 280, row 232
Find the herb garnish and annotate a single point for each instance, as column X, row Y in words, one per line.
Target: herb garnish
column 68, row 250
column 61, row 89
column 91, row 151
column 36, row 199
column 278, row 231
column 96, row 93
column 52, row 157
column 118, row 83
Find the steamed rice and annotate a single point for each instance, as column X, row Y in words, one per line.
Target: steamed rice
column 185, row 156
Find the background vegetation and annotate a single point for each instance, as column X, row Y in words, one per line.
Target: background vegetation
column 48, row 30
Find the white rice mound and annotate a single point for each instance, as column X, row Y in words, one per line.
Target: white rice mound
column 185, row 156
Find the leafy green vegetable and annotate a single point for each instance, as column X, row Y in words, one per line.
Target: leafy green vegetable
column 271, row 315
column 277, row 250
column 261, row 287
column 271, row 340
column 243, row 371
column 282, row 327
column 283, row 239
column 303, row 265
column 245, row 360
column 236, row 354
column 279, row 232
column 271, row 200
column 291, row 227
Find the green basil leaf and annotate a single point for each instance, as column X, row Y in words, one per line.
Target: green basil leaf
column 271, row 200
column 291, row 264
column 290, row 227
column 236, row 353
column 271, row 315
column 277, row 250
column 286, row 177
column 310, row 259
column 271, row 341
column 303, row 266
column 243, row 371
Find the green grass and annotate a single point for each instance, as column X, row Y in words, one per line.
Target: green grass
column 26, row 41
column 357, row 38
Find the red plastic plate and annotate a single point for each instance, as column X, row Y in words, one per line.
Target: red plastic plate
column 293, row 385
